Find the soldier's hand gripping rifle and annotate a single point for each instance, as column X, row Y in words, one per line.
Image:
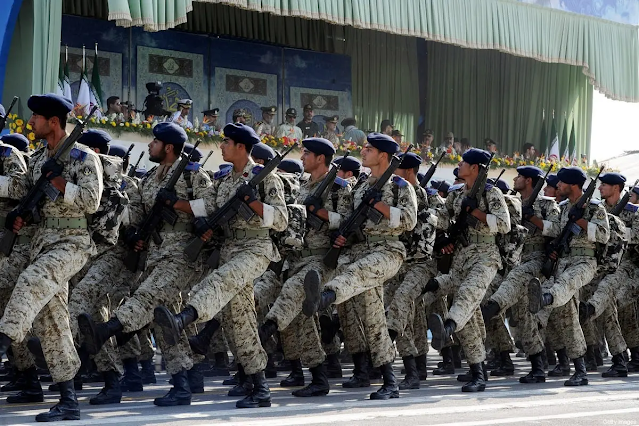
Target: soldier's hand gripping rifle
column 527, row 208
column 222, row 217
column 29, row 207
column 621, row 205
column 456, row 232
column 431, row 171
column 3, row 118
column 315, row 201
column 363, row 212
column 134, row 167
column 154, row 221
column 560, row 245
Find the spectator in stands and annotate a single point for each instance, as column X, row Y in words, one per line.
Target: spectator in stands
column 457, row 146
column 397, row 135
column 352, row 133
column 113, row 105
column 465, row 145
column 529, row 151
column 490, row 145
column 387, row 127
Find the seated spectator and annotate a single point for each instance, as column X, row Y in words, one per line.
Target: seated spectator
column 387, row 127
column 490, row 145
column 529, row 152
column 465, row 145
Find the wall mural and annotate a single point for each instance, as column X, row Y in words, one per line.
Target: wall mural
column 622, row 11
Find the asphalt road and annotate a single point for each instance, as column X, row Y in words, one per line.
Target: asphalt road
column 438, row 402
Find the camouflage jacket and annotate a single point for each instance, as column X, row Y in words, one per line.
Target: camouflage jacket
column 598, row 225
column 105, row 223
column 419, row 242
column 13, row 185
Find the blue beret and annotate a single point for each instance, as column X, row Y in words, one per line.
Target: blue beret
column 552, row 180
column 456, row 172
column 262, row 151
column 94, row 138
column 501, row 184
column 440, row 185
column 140, row 173
column 241, row 133
column 2, row 111
column 636, row 190
column 291, row 166
column 420, row 177
column 170, row 133
column 383, row 142
column 476, row 156
column 613, row 179
column 50, row 105
column 410, row 160
column 225, row 166
column 319, row 146
column 349, row 164
column 197, row 155
column 117, row 151
column 530, row 171
column 572, row 175
column 17, row 141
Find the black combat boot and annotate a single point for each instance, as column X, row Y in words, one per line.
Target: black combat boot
column 172, row 326
column 196, row 379
column 586, row 311
column 457, row 356
column 147, row 371
column 95, row 335
column 447, row 366
column 507, row 368
column 34, row 346
column 468, row 375
column 598, row 356
column 420, row 361
column 478, row 382
column 589, row 358
column 442, row 331
column 260, row 396
column 180, row 393
column 220, row 366
column 200, row 342
column 319, row 385
column 77, row 384
column 562, row 369
column 550, row 356
column 360, row 377
column 5, row 343
column 537, row 299
column 31, row 390
column 315, row 299
column 328, row 328
column 270, row 372
column 633, row 364
column 68, row 407
column 17, row 383
column 618, row 367
column 296, row 378
column 266, row 330
column 537, row 374
column 111, row 392
column 490, row 310
column 580, row 377
column 389, row 388
column 244, row 383
column 333, row 367
column 132, row 379
column 411, row 380
column 431, row 286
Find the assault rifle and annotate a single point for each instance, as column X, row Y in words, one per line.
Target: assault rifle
column 457, row 231
column 29, row 207
column 362, row 213
column 134, row 167
column 233, row 207
column 431, row 171
column 3, row 118
column 500, row 175
column 316, row 199
column 155, row 219
column 561, row 244
column 531, row 201
column 621, row 205
column 206, row 159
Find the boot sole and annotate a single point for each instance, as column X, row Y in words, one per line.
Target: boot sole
column 113, row 401
column 58, row 418
column 436, row 325
column 257, row 405
column 537, row 380
column 363, row 385
column 534, row 296
column 583, row 382
column 11, row 400
column 374, row 396
column 87, row 330
column 479, row 389
column 172, row 404
column 312, row 294
column 316, row 393
column 614, row 375
column 164, row 318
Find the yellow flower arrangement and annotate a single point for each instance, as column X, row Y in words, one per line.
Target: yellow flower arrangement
column 31, row 136
column 19, row 122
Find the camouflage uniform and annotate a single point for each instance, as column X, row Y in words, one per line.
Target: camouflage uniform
column 376, row 260
column 40, row 295
column 288, row 305
column 472, row 270
column 167, row 272
column 243, row 258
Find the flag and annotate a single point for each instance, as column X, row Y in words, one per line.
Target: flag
column 553, row 154
column 564, row 141
column 84, row 92
column 543, row 141
column 66, row 83
column 59, row 90
column 573, row 143
column 96, row 87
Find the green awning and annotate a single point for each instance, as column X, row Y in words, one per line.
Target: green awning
column 154, row 15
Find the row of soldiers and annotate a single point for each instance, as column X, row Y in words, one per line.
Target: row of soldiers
column 192, row 255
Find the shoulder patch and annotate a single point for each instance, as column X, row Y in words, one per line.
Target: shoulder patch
column 78, row 154
column 431, row 191
column 221, row 173
column 341, row 182
column 595, row 201
column 5, row 151
column 399, row 181
column 257, row 169
column 123, row 185
column 632, row 207
column 488, row 187
column 193, row 167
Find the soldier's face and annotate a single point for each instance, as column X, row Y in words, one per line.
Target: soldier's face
column 268, row 117
column 344, row 175
column 549, row 191
column 634, row 198
column 370, row 155
column 467, row 171
column 608, row 191
column 157, row 151
column 231, row 151
column 519, row 183
column 290, row 119
column 310, row 160
column 331, row 126
column 402, row 173
column 41, row 126
column 563, row 189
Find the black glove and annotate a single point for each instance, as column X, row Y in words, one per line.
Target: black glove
column 441, row 241
column 527, row 212
column 314, row 202
column 576, row 213
column 51, row 169
column 372, row 196
column 469, row 204
column 10, row 219
column 169, row 198
column 245, row 190
column 200, row 226
column 131, row 236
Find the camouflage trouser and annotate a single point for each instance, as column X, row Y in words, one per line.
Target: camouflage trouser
column 569, row 332
column 12, row 266
column 613, row 288
column 497, row 335
column 514, row 286
column 40, row 299
column 266, row 289
column 573, row 272
column 21, row 358
column 606, row 324
column 352, row 329
column 335, row 345
column 629, row 325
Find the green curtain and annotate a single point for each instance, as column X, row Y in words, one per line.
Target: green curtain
column 480, row 94
column 607, row 52
column 153, row 15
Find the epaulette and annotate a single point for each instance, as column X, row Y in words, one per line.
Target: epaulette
column 257, row 169
column 341, row 182
column 455, row 187
column 561, row 203
column 5, row 151
column 78, row 154
column 488, row 187
column 193, row 167
column 431, row 191
column 595, row 201
column 631, row 207
column 399, row 181
column 221, row 173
